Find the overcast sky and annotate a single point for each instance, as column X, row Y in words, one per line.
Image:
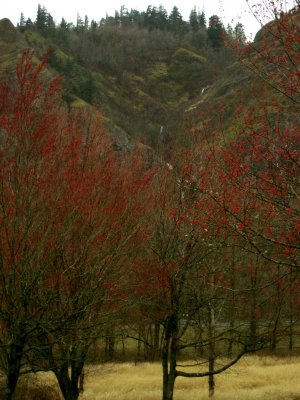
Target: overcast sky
column 231, row 11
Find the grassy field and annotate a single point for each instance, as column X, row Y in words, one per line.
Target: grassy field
column 253, row 378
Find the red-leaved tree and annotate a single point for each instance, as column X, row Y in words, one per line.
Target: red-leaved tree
column 69, row 208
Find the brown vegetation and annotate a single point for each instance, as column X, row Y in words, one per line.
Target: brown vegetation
column 254, row 378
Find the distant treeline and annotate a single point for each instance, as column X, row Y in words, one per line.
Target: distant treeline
column 154, row 18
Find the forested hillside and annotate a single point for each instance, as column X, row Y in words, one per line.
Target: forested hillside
column 137, row 66
column 149, row 194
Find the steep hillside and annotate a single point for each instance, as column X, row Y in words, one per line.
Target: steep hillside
column 152, row 84
column 11, row 43
column 142, row 69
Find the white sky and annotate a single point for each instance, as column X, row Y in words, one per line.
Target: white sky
column 231, row 11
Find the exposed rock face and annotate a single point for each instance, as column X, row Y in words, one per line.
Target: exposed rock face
column 8, row 33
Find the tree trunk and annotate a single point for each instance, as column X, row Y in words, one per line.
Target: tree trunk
column 165, row 366
column 169, row 372
column 232, row 315
column 148, row 351
column 13, row 359
column 169, row 356
column 171, row 385
column 11, row 383
column 231, row 339
column 291, row 337
column 138, row 350
column 199, row 348
column 211, row 353
column 274, row 333
column 279, row 298
column 109, row 345
column 69, row 386
column 156, row 346
column 253, row 320
column 81, row 382
column 123, row 349
column 211, row 379
column 291, row 314
column 253, row 310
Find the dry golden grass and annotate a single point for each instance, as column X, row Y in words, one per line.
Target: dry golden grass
column 253, row 378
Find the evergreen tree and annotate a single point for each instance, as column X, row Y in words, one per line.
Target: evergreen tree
column 157, row 18
column 194, row 23
column 229, row 32
column 28, row 23
column 22, row 23
column 79, row 24
column 162, row 18
column 154, row 19
column 149, row 18
column 124, row 16
column 136, row 17
column 202, row 19
column 86, row 23
column 50, row 24
column 175, row 18
column 239, row 33
column 176, row 23
column 117, row 19
column 41, row 19
column 93, row 26
column 215, row 32
column 64, row 25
